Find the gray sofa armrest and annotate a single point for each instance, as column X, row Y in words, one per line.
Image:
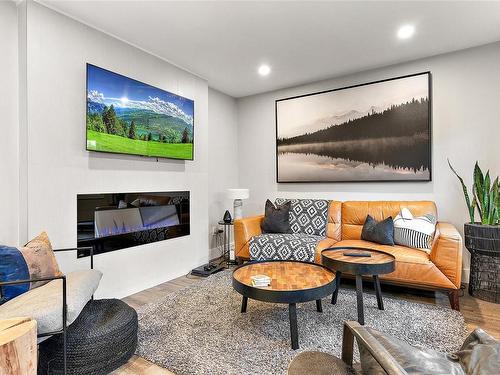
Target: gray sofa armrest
column 64, row 309
column 368, row 342
column 45, row 303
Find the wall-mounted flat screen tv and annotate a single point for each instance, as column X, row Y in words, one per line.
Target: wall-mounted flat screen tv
column 126, row 116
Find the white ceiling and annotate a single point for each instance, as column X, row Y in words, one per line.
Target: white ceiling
column 225, row 42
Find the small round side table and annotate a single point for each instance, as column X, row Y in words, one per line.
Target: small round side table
column 377, row 263
column 226, row 247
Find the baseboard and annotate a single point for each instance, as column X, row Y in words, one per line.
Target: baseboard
column 216, row 252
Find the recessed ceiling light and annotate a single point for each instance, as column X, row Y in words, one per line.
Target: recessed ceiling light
column 264, row 70
column 406, row 31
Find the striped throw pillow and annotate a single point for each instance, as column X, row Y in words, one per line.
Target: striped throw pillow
column 415, row 232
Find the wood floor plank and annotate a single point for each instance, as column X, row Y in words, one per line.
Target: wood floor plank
column 137, row 365
column 477, row 313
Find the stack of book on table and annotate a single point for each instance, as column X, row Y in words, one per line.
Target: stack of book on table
column 260, row 280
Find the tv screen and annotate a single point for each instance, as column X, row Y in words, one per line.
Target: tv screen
column 130, row 117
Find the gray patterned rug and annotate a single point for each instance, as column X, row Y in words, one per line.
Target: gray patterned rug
column 200, row 330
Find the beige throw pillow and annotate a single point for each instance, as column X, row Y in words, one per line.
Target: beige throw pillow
column 40, row 259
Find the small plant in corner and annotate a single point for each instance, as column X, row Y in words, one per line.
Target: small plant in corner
column 482, row 239
column 485, row 198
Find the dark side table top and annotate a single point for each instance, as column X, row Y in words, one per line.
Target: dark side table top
column 376, row 264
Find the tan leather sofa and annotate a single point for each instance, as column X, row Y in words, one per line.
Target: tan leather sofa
column 439, row 270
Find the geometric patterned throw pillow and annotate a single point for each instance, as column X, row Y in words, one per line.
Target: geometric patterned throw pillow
column 307, row 216
column 415, row 232
column 284, row 246
column 35, row 260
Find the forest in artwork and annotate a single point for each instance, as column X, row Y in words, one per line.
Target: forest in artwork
column 374, row 132
column 397, row 137
column 127, row 116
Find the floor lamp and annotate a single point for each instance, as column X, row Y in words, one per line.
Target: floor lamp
column 238, row 195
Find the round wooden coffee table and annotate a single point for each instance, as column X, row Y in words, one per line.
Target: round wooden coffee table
column 378, row 263
column 292, row 282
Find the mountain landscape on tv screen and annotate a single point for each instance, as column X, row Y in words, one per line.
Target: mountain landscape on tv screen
column 127, row 116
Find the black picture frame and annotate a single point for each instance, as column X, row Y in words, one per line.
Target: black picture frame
column 125, row 153
column 429, row 88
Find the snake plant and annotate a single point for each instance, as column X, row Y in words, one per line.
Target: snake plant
column 485, row 196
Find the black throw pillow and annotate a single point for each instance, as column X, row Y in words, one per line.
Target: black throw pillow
column 381, row 232
column 277, row 219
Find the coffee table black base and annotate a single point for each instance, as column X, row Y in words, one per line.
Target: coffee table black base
column 338, row 275
column 359, row 294
column 292, row 315
column 294, row 331
column 319, row 307
column 244, row 303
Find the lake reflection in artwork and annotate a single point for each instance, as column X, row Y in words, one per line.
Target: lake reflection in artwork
column 373, row 132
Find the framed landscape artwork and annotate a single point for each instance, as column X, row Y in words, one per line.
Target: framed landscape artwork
column 377, row 131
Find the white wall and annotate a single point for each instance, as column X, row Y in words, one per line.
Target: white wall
column 54, row 165
column 222, row 158
column 9, row 160
column 58, row 167
column 466, row 127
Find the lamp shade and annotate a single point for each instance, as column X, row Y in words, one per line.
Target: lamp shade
column 238, row 193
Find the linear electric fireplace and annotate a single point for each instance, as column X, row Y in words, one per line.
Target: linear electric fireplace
column 108, row 222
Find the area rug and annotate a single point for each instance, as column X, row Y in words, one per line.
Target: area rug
column 200, row 330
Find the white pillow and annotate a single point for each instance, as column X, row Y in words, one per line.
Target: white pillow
column 415, row 232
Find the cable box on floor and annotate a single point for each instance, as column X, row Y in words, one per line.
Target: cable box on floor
column 207, row 270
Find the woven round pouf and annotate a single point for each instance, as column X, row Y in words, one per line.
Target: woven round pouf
column 318, row 363
column 101, row 339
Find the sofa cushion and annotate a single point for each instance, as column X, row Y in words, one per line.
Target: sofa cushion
column 276, row 219
column 381, row 232
column 13, row 267
column 308, row 216
column 44, row 304
column 416, row 232
column 33, row 261
column 281, row 246
column 322, row 245
column 401, row 253
column 354, row 213
column 334, row 225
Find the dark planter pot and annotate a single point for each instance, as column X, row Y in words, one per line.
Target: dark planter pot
column 483, row 242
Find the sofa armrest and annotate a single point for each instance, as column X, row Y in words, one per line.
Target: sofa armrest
column 90, row 249
column 446, row 252
column 353, row 330
column 64, row 310
column 244, row 229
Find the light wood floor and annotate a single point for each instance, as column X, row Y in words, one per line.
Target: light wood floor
column 477, row 313
column 137, row 365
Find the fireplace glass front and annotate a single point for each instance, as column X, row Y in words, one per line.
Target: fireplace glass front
column 113, row 221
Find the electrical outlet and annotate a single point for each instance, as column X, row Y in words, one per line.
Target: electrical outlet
column 216, row 230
